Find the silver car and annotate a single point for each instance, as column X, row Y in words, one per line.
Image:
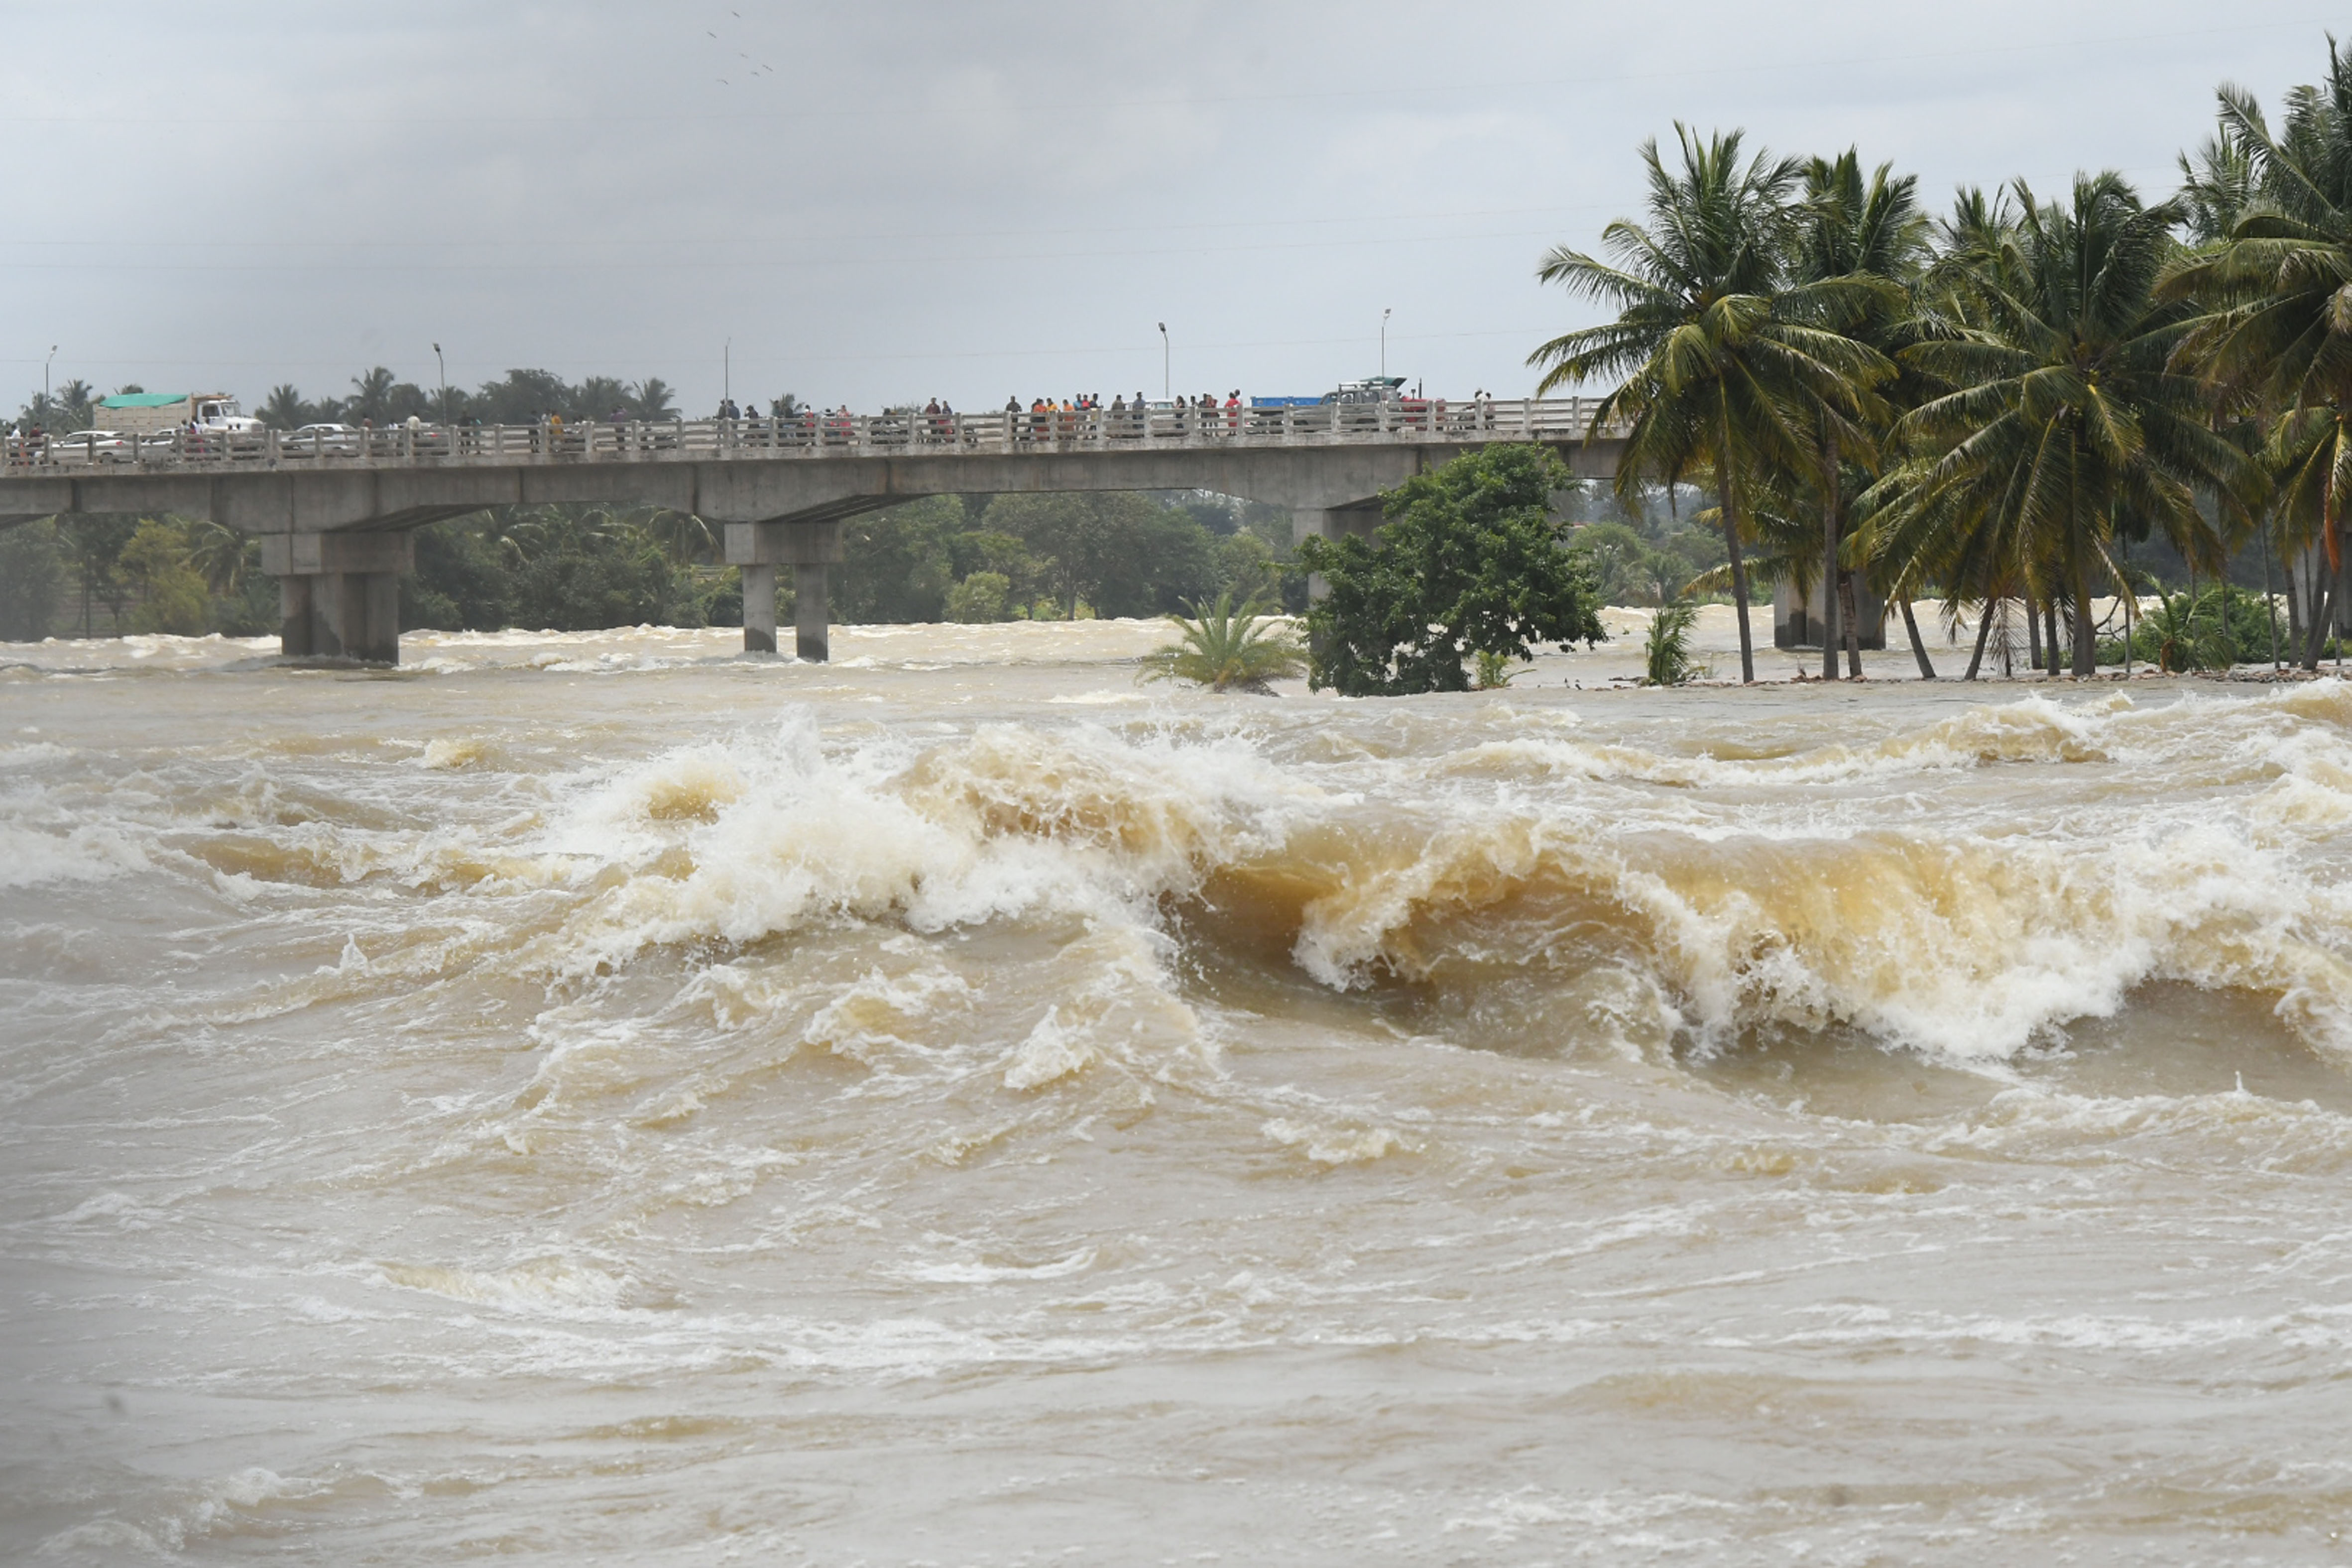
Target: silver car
column 93, row 446
column 321, row 441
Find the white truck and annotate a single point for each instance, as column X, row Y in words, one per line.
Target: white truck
column 160, row 413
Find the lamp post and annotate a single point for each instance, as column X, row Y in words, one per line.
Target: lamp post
column 1167, row 387
column 443, row 368
column 44, row 375
column 727, row 372
column 1384, row 341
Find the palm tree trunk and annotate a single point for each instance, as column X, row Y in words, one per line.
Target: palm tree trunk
column 1918, row 648
column 2050, row 634
column 2086, row 644
column 2033, row 631
column 1727, row 485
column 2321, row 614
column 1831, row 576
column 2294, row 612
column 2270, row 605
column 1984, row 630
column 1853, row 624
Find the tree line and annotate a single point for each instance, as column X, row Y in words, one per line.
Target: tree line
column 379, row 397
column 971, row 559
column 1992, row 407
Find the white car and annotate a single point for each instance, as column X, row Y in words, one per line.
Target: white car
column 321, row 441
column 92, row 446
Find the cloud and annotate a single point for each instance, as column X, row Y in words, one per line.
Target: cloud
column 889, row 201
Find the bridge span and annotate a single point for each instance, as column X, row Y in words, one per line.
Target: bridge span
column 333, row 511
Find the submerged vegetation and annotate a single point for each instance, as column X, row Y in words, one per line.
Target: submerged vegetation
column 1228, row 649
column 1468, row 563
column 1665, row 653
column 1996, row 408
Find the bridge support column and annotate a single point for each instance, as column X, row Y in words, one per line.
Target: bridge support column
column 1800, row 624
column 808, row 548
column 1332, row 523
column 338, row 594
column 812, row 615
column 759, row 610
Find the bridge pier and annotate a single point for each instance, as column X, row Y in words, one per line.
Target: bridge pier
column 338, row 594
column 759, row 609
column 808, row 548
column 1801, row 624
column 812, row 612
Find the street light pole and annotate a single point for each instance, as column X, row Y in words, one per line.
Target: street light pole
column 1384, row 342
column 1167, row 387
column 444, row 367
column 44, row 375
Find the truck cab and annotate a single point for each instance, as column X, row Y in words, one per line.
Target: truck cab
column 1372, row 389
column 221, row 413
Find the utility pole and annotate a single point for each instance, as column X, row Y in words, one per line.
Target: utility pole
column 1384, row 342
column 1167, row 387
column 444, row 367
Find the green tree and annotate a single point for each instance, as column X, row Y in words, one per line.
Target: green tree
column 983, row 596
column 2063, row 411
column 1101, row 548
column 1467, row 562
column 462, row 581
column 896, row 564
column 172, row 593
column 371, row 401
column 1722, row 368
column 284, row 409
column 1869, row 241
column 93, row 546
column 32, row 569
column 1620, row 561
column 2277, row 334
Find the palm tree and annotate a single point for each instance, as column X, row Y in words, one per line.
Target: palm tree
column 371, row 399
column 2278, row 337
column 2064, row 412
column 1874, row 237
column 284, row 409
column 1223, row 647
column 655, row 400
column 1724, row 369
column 76, row 405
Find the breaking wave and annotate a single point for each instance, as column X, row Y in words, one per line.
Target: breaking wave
column 1973, row 941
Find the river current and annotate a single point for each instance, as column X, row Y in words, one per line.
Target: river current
column 593, row 1099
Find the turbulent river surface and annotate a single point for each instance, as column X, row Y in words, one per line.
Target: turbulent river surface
column 593, row 1099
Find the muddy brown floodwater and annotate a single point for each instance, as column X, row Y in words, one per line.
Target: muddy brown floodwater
column 593, row 1099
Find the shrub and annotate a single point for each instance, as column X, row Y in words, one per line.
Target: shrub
column 1224, row 649
column 2181, row 634
column 1668, row 656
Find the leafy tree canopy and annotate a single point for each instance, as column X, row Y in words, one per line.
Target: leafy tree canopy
column 1468, row 562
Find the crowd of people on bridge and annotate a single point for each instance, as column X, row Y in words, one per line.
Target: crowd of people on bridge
column 787, row 423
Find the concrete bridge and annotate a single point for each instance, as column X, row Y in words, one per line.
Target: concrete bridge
column 333, row 511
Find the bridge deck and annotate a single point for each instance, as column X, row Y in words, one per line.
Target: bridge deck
column 813, row 436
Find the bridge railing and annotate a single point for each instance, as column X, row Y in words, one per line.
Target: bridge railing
column 812, row 433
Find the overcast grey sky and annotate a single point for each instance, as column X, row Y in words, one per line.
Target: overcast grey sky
column 877, row 202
